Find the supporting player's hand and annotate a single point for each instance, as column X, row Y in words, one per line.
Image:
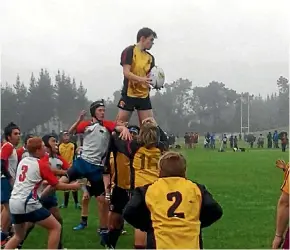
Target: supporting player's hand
column 281, row 164
column 86, row 195
column 277, row 242
column 125, row 134
column 121, row 123
column 82, row 115
column 150, row 120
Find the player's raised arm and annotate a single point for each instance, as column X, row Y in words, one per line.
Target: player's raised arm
column 136, row 212
column 210, row 211
column 78, row 126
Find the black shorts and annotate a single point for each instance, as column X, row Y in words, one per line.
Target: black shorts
column 119, row 199
column 96, row 188
column 34, row 216
column 131, row 103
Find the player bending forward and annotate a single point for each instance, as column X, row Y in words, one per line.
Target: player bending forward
column 24, row 203
column 144, row 154
column 174, row 215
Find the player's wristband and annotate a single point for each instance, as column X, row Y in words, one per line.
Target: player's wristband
column 279, row 236
column 107, row 196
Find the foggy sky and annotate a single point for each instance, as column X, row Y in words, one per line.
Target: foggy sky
column 244, row 44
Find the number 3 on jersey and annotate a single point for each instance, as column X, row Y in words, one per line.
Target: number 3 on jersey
column 22, row 176
column 177, row 197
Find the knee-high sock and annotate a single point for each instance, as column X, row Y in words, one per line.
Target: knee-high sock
column 66, row 198
column 114, row 235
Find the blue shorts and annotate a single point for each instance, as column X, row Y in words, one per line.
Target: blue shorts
column 83, row 169
column 49, row 202
column 35, row 216
column 5, row 190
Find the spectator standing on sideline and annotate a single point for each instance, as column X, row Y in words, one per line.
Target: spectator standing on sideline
column 186, row 140
column 275, row 139
column 235, row 142
column 225, row 141
column 269, row 138
column 284, row 141
column 260, row 141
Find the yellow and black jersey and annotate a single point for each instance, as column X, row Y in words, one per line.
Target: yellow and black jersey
column 111, row 168
column 141, row 63
column 173, row 215
column 120, row 169
column 67, row 152
column 144, row 161
column 285, row 185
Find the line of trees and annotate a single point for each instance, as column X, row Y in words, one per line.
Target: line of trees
column 179, row 107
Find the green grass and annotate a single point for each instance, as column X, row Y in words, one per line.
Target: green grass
column 245, row 184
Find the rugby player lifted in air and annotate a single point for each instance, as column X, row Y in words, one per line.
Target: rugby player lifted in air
column 137, row 63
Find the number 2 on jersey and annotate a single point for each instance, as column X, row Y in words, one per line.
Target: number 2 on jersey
column 177, row 196
column 22, row 176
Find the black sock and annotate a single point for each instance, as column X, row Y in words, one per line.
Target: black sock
column 114, row 236
column 26, row 235
column 10, row 231
column 84, row 220
column 60, row 246
column 66, row 198
column 139, row 247
column 75, row 196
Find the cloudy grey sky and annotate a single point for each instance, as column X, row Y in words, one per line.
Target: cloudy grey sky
column 243, row 43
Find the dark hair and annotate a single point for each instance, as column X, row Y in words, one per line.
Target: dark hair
column 9, row 129
column 27, row 137
column 146, row 32
column 46, row 138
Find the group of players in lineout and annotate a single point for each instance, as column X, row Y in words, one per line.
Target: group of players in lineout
column 128, row 168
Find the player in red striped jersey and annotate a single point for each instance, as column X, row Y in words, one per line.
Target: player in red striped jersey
column 24, row 203
column 9, row 163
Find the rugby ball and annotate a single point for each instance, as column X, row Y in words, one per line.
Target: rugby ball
column 157, row 77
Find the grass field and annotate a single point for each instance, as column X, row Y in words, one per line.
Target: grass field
column 245, row 184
